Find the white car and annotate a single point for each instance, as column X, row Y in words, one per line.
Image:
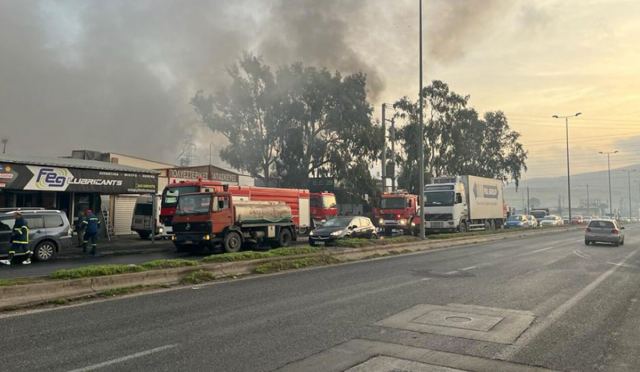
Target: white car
column 551, row 220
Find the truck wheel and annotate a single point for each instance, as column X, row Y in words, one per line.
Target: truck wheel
column 232, row 242
column 285, row 237
column 462, row 227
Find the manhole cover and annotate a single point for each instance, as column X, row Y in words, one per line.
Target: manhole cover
column 458, row 319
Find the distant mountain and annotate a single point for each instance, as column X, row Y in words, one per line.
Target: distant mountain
column 552, row 191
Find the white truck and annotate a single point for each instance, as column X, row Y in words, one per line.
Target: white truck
column 463, row 203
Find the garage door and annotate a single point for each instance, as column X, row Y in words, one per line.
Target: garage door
column 122, row 214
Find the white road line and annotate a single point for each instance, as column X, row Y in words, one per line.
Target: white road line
column 578, row 253
column 468, row 268
column 534, row 252
column 124, row 358
column 510, row 351
column 451, row 272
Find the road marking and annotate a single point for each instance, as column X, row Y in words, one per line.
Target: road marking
column 451, row 272
column 124, row 358
column 510, row 351
column 580, row 254
column 468, row 268
column 534, row 252
column 623, row 265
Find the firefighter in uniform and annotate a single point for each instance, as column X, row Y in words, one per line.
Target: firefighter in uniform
column 19, row 241
column 91, row 225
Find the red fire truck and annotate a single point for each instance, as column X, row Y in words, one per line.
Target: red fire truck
column 397, row 211
column 296, row 199
column 323, row 207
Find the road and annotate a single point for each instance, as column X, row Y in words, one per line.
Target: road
column 544, row 301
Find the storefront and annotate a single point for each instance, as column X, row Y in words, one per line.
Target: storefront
column 72, row 185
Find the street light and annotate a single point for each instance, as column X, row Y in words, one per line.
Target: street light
column 421, row 135
column 566, row 123
column 608, row 153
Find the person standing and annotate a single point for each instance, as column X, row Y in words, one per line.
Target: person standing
column 19, row 241
column 91, row 225
column 80, row 229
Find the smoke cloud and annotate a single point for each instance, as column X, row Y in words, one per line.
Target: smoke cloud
column 118, row 75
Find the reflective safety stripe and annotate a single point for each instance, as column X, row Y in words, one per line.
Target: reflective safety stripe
column 12, row 252
column 21, row 242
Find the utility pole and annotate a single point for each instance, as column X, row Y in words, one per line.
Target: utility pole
column 384, row 148
column 629, row 180
column 566, row 123
column 528, row 201
column 421, row 136
column 4, row 145
column 588, row 202
column 608, row 153
column 392, row 138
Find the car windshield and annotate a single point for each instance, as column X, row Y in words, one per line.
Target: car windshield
column 550, row 218
column 602, row 224
column 393, row 203
column 143, row 209
column 338, row 222
column 170, row 198
column 516, row 218
column 438, row 198
column 194, row 204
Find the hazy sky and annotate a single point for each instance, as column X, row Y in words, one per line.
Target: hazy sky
column 117, row 75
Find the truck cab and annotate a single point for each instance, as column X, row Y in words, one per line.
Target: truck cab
column 396, row 211
column 323, row 206
column 445, row 205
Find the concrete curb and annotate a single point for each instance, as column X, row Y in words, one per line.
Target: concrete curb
column 49, row 290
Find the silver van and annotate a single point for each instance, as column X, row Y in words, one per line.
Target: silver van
column 49, row 232
column 142, row 220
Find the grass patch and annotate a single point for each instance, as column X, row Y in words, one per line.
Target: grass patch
column 359, row 242
column 198, row 277
column 119, row 291
column 16, row 281
column 95, row 270
column 272, row 267
column 251, row 255
column 168, row 264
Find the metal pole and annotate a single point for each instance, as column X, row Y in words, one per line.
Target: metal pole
column 528, row 201
column 392, row 137
column 609, row 172
column 153, row 218
column 421, row 138
column 384, row 149
column 629, row 179
column 566, row 122
column 588, row 202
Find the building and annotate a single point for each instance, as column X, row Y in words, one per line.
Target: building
column 73, row 185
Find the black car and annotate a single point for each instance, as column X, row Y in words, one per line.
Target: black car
column 343, row 227
column 49, row 232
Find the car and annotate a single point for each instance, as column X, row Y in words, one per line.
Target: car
column 551, row 220
column 49, row 232
column 533, row 221
column 577, row 220
column 342, row 227
column 517, row 221
column 604, row 231
column 539, row 214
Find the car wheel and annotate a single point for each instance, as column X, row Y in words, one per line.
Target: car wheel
column 45, row 251
column 616, row 244
column 622, row 242
column 232, row 242
column 586, row 242
column 373, row 236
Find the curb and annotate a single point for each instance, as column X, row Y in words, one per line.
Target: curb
column 49, row 290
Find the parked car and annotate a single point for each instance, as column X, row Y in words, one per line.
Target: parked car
column 517, row 221
column 551, row 220
column 343, row 227
column 49, row 232
column 533, row 221
column 604, row 230
column 577, row 220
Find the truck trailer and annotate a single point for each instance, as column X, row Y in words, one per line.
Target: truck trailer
column 209, row 220
column 463, row 203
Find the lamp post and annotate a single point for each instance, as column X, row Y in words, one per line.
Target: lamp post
column 608, row 153
column 421, row 135
column 566, row 123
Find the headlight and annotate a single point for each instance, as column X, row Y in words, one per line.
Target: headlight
column 161, row 230
column 413, row 224
column 206, row 237
column 337, row 233
column 173, row 237
column 311, row 233
column 381, row 221
column 402, row 221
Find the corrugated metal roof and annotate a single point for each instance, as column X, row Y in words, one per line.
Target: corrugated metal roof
column 72, row 163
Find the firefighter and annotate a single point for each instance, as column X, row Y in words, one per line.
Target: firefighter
column 91, row 225
column 80, row 229
column 19, row 241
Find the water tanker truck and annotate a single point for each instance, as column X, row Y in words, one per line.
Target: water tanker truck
column 210, row 220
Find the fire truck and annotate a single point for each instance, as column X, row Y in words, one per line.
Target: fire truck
column 323, row 207
column 397, row 210
column 297, row 199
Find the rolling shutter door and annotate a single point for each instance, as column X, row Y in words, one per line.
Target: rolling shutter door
column 123, row 213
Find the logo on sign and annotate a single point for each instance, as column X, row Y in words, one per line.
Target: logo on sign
column 51, row 178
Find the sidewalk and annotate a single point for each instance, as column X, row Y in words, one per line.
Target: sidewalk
column 121, row 245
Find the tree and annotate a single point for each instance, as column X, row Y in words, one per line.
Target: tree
column 245, row 114
column 456, row 140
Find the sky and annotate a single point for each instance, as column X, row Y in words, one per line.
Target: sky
column 118, row 75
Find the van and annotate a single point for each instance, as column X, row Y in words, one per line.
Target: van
column 142, row 219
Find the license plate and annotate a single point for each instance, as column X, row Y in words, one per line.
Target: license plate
column 320, row 242
column 188, row 242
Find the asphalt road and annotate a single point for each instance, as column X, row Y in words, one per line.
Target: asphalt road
column 582, row 304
